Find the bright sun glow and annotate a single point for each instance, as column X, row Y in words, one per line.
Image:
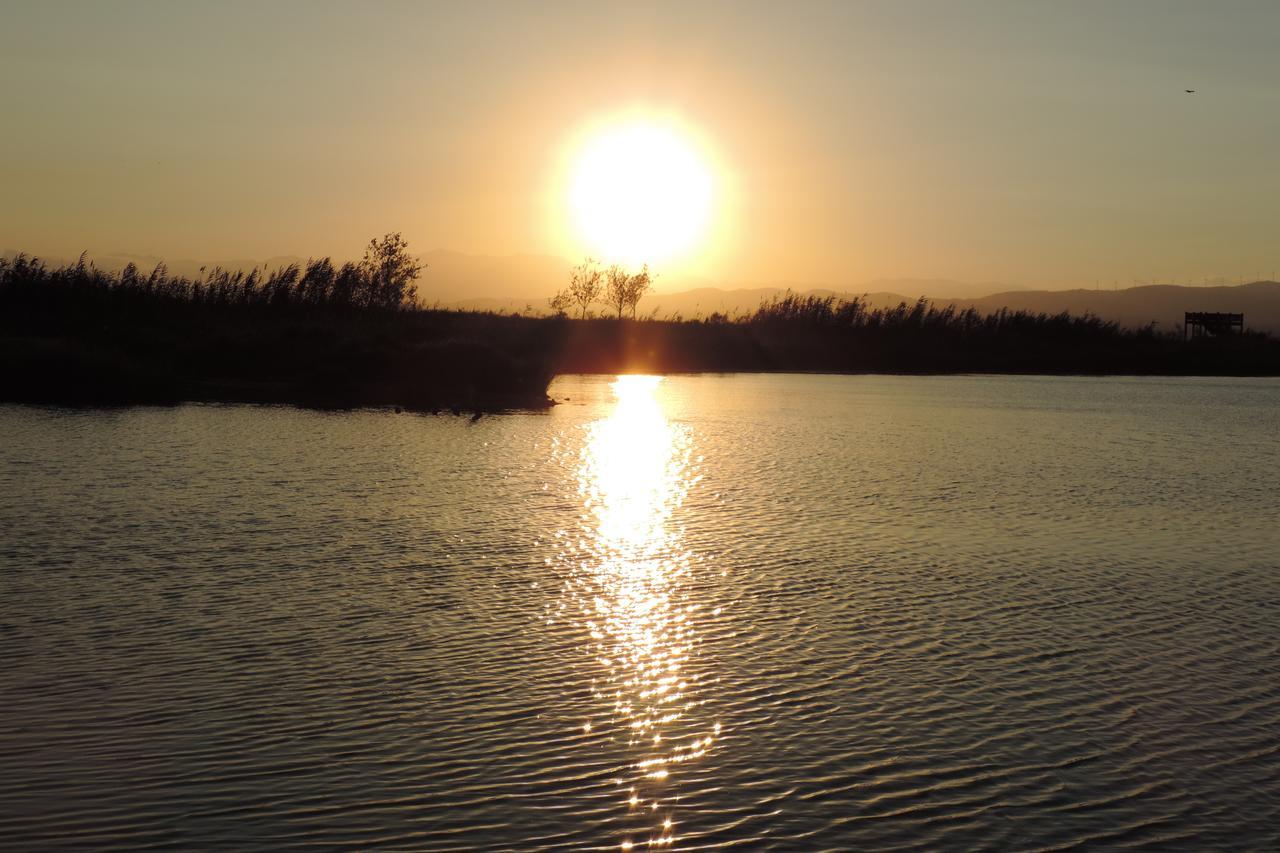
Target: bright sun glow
column 640, row 193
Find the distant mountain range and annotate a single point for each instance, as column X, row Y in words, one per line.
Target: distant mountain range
column 523, row 283
column 1162, row 304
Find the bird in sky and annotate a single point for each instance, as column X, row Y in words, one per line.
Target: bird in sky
column 1190, row 91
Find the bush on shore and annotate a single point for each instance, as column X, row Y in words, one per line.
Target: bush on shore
column 352, row 335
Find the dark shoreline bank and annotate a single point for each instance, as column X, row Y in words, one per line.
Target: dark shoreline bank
column 431, row 361
column 79, row 336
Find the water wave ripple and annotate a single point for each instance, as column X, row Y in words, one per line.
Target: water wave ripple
column 772, row 612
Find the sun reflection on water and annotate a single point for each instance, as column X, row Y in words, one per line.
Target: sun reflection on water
column 630, row 584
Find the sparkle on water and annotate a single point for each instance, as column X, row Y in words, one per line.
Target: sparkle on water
column 695, row 613
column 625, row 584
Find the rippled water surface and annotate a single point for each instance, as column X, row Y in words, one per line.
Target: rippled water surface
column 788, row 612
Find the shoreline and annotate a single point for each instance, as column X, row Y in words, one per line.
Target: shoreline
column 267, row 394
column 428, row 361
column 78, row 336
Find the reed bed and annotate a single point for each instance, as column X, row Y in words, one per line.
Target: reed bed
column 323, row 334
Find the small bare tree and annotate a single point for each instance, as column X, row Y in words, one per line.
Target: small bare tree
column 585, row 287
column 617, row 281
column 624, row 289
column 637, row 286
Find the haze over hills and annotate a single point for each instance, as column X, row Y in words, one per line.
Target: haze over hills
column 1136, row 306
column 1163, row 304
column 523, row 283
column 460, row 280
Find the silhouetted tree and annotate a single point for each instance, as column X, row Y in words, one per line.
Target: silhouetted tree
column 638, row 284
column 389, row 273
column 623, row 289
column 585, row 286
column 615, row 288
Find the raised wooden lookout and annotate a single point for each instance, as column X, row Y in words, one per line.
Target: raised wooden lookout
column 1201, row 323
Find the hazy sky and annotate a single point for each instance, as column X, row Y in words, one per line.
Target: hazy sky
column 1042, row 144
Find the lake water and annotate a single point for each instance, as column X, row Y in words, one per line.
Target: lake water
column 776, row 612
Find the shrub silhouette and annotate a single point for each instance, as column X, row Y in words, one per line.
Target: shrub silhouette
column 623, row 288
column 586, row 284
column 388, row 272
column 312, row 333
column 383, row 280
column 328, row 335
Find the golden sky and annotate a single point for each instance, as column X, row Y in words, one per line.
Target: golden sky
column 1040, row 144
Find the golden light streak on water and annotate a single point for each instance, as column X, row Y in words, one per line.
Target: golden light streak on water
column 955, row 613
column 630, row 586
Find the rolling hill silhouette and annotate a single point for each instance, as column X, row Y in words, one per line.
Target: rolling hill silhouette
column 1162, row 304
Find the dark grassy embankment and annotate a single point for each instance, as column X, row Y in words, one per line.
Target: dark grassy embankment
column 327, row 337
column 809, row 333
column 315, row 336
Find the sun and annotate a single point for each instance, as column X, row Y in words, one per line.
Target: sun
column 640, row 193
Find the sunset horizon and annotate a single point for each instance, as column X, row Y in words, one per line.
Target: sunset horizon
column 1058, row 148
column 833, row 425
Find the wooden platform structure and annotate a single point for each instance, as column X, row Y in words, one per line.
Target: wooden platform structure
column 1201, row 323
